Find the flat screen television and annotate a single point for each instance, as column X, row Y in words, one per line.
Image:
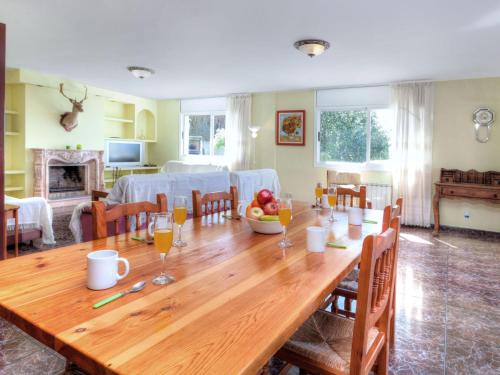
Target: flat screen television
column 123, row 153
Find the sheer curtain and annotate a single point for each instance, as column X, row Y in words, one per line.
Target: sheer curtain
column 412, row 173
column 238, row 119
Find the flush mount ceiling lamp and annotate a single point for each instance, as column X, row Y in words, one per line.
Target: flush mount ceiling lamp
column 140, row 72
column 312, row 47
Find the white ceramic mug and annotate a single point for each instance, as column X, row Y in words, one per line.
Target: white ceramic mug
column 316, row 238
column 102, row 269
column 355, row 216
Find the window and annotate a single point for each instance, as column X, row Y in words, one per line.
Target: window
column 203, row 135
column 354, row 128
column 354, row 136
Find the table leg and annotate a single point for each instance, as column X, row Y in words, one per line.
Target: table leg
column 16, row 232
column 435, row 206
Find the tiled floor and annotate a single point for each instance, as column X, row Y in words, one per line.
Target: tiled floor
column 448, row 316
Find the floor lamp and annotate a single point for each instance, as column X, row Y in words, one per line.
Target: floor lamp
column 254, row 130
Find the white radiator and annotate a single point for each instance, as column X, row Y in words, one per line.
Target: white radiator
column 379, row 194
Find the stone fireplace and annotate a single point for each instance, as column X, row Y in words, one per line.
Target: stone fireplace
column 67, row 177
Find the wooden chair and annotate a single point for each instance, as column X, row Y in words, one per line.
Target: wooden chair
column 216, row 202
column 348, row 288
column 322, row 345
column 101, row 216
column 344, row 191
column 97, row 194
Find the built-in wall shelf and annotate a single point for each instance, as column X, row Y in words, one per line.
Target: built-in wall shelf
column 119, row 120
column 14, row 188
column 14, row 171
column 14, row 141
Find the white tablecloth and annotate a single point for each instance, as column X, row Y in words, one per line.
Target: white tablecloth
column 251, row 181
column 34, row 212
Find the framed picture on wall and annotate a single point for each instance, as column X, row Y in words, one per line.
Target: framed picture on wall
column 291, row 128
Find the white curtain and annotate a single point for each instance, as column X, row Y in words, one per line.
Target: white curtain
column 238, row 119
column 412, row 173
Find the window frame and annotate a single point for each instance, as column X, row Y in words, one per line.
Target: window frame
column 201, row 159
column 369, row 165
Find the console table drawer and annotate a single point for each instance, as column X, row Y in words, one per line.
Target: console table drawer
column 471, row 193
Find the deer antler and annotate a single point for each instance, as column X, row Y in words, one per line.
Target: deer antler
column 85, row 98
column 61, row 85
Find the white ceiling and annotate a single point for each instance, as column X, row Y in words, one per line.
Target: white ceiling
column 215, row 47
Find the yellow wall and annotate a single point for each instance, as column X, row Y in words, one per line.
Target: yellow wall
column 294, row 164
column 167, row 147
column 455, row 145
column 43, row 105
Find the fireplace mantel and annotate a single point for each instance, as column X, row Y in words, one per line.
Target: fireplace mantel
column 43, row 158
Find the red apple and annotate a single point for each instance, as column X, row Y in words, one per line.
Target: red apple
column 255, row 213
column 271, row 208
column 264, row 196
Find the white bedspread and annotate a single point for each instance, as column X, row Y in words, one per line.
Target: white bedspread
column 248, row 182
column 34, row 212
column 137, row 188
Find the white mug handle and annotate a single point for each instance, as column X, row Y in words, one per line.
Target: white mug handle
column 127, row 269
column 150, row 229
column 239, row 209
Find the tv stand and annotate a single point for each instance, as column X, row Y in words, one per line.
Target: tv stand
column 111, row 174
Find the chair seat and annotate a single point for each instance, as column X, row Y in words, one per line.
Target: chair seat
column 326, row 339
column 351, row 281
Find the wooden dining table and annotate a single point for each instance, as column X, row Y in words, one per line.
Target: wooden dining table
column 237, row 297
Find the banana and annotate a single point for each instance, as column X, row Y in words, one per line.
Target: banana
column 269, row 218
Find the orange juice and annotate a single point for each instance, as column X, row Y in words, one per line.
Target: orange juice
column 332, row 199
column 318, row 192
column 180, row 215
column 163, row 240
column 285, row 215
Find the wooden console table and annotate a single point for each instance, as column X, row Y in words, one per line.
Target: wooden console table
column 457, row 184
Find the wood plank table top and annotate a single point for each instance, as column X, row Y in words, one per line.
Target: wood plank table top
column 237, row 298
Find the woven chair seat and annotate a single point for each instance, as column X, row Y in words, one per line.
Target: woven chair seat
column 351, row 281
column 326, row 339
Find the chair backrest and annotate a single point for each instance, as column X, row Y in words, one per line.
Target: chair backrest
column 96, row 194
column 101, row 216
column 375, row 292
column 391, row 212
column 215, row 202
column 343, row 192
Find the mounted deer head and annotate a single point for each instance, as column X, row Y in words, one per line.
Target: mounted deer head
column 69, row 120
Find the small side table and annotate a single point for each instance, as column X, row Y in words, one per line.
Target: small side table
column 11, row 211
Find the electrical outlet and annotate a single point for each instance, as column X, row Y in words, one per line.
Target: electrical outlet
column 466, row 215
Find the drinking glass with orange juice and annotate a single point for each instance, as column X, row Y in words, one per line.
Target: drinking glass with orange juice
column 180, row 216
column 160, row 228
column 285, row 216
column 332, row 201
column 318, row 193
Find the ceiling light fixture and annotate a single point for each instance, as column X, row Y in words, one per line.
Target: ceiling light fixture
column 140, row 72
column 312, row 47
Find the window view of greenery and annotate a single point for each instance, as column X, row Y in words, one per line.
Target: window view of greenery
column 219, row 134
column 198, row 130
column 343, row 135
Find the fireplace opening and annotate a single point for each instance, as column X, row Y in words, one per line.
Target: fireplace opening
column 67, row 181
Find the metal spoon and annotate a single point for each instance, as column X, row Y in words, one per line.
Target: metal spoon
column 137, row 287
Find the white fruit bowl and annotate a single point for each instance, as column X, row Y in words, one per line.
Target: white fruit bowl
column 265, row 227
